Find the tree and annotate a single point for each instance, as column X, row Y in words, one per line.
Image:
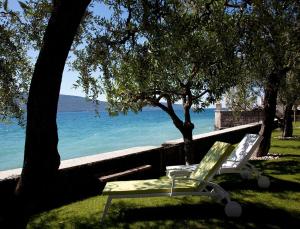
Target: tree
column 288, row 95
column 269, row 49
column 242, row 97
column 163, row 52
column 15, row 66
column 41, row 158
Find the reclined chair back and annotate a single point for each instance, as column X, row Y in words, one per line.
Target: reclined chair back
column 242, row 153
column 212, row 162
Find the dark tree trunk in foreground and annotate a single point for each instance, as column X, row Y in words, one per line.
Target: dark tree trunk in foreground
column 41, row 157
column 269, row 111
column 288, row 121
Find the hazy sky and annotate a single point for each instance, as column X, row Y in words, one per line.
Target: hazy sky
column 69, row 77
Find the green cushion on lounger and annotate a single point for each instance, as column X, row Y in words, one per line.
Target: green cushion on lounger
column 147, row 186
column 208, row 166
column 212, row 161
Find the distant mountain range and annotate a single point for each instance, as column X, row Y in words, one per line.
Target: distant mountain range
column 70, row 103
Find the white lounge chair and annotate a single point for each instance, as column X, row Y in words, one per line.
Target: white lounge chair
column 198, row 183
column 238, row 162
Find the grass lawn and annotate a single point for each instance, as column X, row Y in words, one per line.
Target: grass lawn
column 276, row 207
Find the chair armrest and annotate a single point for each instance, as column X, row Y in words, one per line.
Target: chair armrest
column 187, row 179
column 178, row 173
column 174, row 179
column 182, row 167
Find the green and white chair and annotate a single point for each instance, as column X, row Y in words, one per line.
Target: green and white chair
column 198, row 183
column 238, row 162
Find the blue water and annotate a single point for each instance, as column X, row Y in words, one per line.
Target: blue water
column 82, row 133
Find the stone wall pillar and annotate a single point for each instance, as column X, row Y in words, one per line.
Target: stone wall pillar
column 218, row 115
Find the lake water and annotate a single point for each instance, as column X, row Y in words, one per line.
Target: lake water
column 82, row 133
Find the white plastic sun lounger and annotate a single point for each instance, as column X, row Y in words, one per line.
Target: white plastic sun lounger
column 238, row 162
column 198, row 183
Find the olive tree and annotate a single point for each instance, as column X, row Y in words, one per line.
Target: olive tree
column 158, row 53
column 269, row 50
column 287, row 97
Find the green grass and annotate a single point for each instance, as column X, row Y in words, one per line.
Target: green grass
column 276, row 207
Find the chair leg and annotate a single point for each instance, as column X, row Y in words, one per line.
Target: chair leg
column 107, row 205
column 219, row 193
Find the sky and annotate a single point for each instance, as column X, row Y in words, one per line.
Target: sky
column 69, row 76
column 68, row 80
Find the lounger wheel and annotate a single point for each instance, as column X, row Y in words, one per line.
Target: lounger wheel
column 233, row 209
column 246, row 174
column 263, row 182
column 219, row 196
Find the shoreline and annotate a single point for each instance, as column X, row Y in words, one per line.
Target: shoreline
column 83, row 134
column 86, row 160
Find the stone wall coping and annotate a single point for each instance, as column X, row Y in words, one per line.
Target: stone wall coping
column 10, row 173
column 84, row 160
column 104, row 156
column 212, row 133
column 65, row 164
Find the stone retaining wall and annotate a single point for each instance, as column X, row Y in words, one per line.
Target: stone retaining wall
column 78, row 178
column 225, row 119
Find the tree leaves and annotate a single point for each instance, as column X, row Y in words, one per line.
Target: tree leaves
column 24, row 6
column 164, row 51
column 15, row 67
column 5, row 5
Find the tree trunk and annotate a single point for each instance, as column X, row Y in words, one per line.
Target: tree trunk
column 269, row 111
column 288, row 121
column 188, row 143
column 185, row 128
column 41, row 157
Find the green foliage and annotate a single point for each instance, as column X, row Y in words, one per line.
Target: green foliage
column 271, row 38
column 289, row 88
column 241, row 98
column 35, row 15
column 150, row 52
column 268, row 49
column 15, row 66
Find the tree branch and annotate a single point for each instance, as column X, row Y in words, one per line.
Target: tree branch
column 128, row 33
column 199, row 96
column 169, row 110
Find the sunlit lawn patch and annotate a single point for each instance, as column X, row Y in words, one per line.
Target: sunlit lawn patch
column 276, row 207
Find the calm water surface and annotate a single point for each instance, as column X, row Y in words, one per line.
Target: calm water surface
column 82, row 133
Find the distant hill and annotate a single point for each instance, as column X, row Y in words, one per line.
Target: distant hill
column 70, row 103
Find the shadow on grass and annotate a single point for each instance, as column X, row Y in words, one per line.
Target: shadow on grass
column 204, row 215
column 289, row 156
column 124, row 214
column 282, row 167
column 286, row 147
column 279, row 166
column 233, row 182
column 253, row 214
